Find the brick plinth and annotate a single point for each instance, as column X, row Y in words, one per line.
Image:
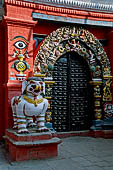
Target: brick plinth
column 31, row 146
column 91, row 133
column 107, row 134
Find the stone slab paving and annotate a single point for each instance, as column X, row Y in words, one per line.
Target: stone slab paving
column 75, row 153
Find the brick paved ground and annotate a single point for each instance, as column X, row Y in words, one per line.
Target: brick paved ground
column 75, row 153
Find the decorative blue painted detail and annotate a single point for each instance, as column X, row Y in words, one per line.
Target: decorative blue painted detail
column 1, row 2
column 72, row 20
column 38, row 39
column 1, row 9
column 12, row 78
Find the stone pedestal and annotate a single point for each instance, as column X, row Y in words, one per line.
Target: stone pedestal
column 31, row 146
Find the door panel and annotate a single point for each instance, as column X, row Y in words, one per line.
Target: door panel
column 60, row 95
column 71, row 94
column 79, row 92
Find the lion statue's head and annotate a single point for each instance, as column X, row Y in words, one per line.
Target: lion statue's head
column 33, row 86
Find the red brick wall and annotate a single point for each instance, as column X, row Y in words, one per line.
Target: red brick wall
column 2, row 81
column 17, row 22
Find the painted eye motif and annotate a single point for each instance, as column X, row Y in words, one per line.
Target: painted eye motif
column 20, row 45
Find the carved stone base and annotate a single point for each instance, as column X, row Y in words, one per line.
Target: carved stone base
column 31, row 146
column 107, row 134
column 97, row 125
column 108, row 124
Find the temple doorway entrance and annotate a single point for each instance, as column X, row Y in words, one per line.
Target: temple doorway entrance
column 72, row 95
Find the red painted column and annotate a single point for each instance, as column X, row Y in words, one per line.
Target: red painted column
column 2, row 81
column 16, row 27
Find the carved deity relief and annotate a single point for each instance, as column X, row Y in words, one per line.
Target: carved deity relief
column 76, row 39
column 107, row 95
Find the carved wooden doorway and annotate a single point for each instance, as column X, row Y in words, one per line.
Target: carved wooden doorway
column 72, row 96
column 87, row 46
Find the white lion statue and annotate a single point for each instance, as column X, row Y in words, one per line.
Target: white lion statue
column 30, row 104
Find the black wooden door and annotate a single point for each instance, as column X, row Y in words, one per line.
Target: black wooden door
column 72, row 96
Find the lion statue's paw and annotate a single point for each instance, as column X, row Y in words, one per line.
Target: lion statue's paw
column 20, row 131
column 42, row 130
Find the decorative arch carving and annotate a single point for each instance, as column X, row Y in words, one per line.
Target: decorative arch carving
column 76, row 39
column 66, row 39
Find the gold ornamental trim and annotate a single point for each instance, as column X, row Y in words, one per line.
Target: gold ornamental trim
column 47, row 97
column 95, row 82
column 40, row 75
column 32, row 101
column 49, row 82
column 98, row 110
column 97, row 96
column 107, row 77
column 96, row 105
